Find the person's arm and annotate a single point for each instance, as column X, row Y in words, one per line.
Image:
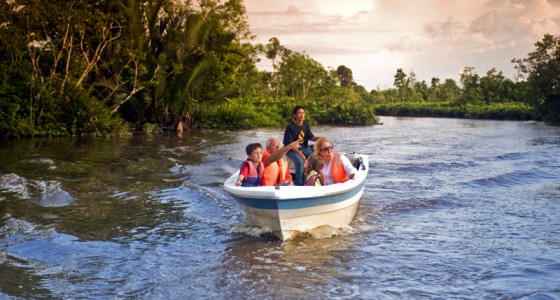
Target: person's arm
column 265, row 158
column 322, row 179
column 300, row 153
column 278, row 154
column 242, row 174
column 310, row 133
column 348, row 167
column 239, row 180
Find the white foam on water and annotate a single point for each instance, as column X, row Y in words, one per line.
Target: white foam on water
column 13, row 183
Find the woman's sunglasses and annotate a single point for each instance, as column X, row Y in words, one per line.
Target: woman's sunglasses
column 327, row 148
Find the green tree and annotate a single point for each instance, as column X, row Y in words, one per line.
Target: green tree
column 61, row 46
column 492, row 87
column 449, row 91
column 14, row 74
column 276, row 53
column 434, row 89
column 520, row 69
column 421, row 91
column 543, row 76
column 401, row 84
column 194, row 57
column 274, row 50
column 345, row 75
column 131, row 70
column 300, row 74
column 471, row 87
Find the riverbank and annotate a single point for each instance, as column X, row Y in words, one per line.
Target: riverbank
column 495, row 111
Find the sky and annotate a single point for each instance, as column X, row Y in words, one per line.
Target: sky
column 432, row 38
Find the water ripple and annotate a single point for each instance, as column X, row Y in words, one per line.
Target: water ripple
column 453, row 209
column 517, row 178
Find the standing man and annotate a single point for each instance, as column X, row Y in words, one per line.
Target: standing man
column 299, row 130
column 275, row 166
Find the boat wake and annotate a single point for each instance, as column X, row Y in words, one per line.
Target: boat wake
column 49, row 192
column 515, row 178
column 207, row 206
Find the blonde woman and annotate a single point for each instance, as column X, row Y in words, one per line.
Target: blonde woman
column 337, row 168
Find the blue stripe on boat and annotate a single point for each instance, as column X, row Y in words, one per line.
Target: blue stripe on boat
column 297, row 203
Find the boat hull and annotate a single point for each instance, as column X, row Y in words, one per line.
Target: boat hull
column 287, row 211
column 288, row 223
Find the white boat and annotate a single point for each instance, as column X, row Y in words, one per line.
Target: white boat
column 291, row 210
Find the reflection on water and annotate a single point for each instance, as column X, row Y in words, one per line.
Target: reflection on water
column 453, row 209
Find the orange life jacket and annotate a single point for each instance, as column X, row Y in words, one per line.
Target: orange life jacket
column 275, row 173
column 337, row 169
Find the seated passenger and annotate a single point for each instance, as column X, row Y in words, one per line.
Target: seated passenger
column 275, row 166
column 313, row 168
column 337, row 168
column 252, row 169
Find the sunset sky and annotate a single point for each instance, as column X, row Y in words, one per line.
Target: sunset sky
column 433, row 38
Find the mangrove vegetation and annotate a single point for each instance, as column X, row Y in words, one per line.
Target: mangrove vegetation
column 107, row 67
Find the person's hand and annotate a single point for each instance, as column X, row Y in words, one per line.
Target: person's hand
column 351, row 176
column 294, row 145
column 238, row 182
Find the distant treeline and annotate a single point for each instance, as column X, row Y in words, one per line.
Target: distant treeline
column 106, row 67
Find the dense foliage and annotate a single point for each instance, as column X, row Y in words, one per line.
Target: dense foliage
column 83, row 67
column 535, row 95
column 495, row 111
column 104, row 67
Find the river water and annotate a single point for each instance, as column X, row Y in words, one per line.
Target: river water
column 453, row 209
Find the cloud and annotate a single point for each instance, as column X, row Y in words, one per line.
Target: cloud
column 292, row 10
column 446, row 28
column 403, row 44
column 487, row 24
column 557, row 20
column 435, row 38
